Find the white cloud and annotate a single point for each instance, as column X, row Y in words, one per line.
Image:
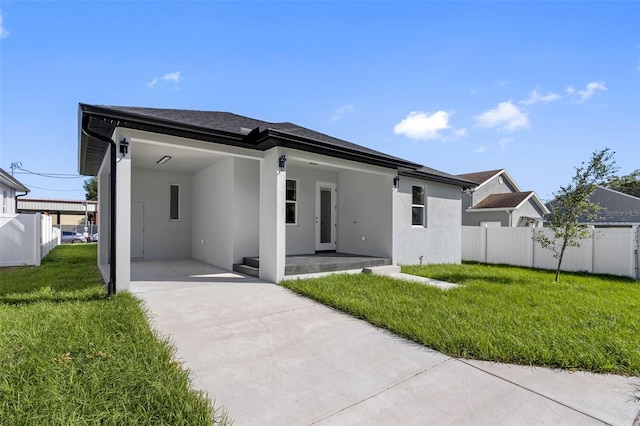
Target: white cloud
column 590, row 90
column 506, row 116
column 481, row 150
column 341, row 112
column 570, row 90
column 172, row 77
column 3, row 31
column 423, row 125
column 537, row 98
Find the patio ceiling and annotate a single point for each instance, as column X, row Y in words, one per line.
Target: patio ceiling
column 183, row 159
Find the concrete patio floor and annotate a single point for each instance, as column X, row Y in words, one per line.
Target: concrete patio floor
column 271, row 357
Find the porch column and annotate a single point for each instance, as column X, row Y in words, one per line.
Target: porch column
column 123, row 221
column 272, row 217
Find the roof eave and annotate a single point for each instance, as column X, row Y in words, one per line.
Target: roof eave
column 463, row 183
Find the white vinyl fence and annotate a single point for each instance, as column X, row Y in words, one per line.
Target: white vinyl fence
column 609, row 250
column 26, row 238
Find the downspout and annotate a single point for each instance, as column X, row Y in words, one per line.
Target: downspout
column 111, row 285
column 16, row 200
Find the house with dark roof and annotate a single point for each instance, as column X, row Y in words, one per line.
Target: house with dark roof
column 496, row 200
column 9, row 188
column 227, row 189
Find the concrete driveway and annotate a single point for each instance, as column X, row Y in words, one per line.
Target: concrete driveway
column 271, row 357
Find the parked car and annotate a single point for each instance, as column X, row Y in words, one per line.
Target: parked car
column 72, row 237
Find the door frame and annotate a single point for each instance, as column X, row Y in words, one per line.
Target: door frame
column 334, row 216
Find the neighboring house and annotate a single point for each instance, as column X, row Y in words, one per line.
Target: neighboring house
column 9, row 186
column 62, row 212
column 498, row 201
column 618, row 209
column 219, row 187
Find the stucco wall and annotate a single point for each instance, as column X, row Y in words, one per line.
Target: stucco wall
column 438, row 242
column 301, row 236
column 246, row 208
column 365, row 213
column 163, row 238
column 212, row 220
column 225, row 220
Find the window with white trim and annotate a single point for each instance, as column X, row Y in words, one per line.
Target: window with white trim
column 418, row 210
column 291, row 200
column 5, row 201
column 174, row 202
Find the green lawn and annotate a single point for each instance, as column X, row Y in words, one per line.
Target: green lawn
column 70, row 356
column 500, row 313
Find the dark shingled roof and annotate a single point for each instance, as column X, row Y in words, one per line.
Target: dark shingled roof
column 480, row 177
column 498, row 201
column 231, row 129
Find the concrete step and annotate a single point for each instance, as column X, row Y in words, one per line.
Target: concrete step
column 246, row 270
column 251, row 261
column 382, row 270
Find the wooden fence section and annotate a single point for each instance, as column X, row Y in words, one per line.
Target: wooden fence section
column 608, row 251
column 26, row 238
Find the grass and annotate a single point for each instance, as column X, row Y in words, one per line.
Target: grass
column 500, row 313
column 71, row 356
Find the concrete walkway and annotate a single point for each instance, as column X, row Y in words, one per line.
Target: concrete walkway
column 271, row 357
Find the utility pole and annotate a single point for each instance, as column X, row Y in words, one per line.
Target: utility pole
column 15, row 165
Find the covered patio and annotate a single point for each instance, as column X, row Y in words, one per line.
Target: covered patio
column 315, row 263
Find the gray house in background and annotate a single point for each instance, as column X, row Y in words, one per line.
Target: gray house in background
column 9, row 188
column 498, row 201
column 618, row 209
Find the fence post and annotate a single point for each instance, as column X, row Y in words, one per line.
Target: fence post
column 37, row 243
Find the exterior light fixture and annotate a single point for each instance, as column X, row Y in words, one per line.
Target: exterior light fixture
column 124, row 147
column 396, row 182
column 163, row 160
column 281, row 161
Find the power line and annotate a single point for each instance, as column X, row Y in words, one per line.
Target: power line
column 50, row 175
column 49, row 189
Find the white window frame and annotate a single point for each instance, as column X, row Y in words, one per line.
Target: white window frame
column 171, row 185
column 423, row 206
column 294, row 202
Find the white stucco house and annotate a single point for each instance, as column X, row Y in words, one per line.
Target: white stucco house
column 9, row 188
column 220, row 188
column 497, row 200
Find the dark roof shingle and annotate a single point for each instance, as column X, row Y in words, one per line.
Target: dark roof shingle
column 480, row 177
column 498, row 201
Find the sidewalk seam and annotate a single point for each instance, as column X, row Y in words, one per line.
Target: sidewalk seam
column 534, row 392
column 398, row 383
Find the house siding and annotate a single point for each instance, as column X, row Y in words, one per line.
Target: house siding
column 365, row 213
column 301, row 236
column 437, row 242
column 163, row 239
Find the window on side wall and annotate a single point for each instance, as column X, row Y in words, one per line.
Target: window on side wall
column 418, row 216
column 174, row 202
column 291, row 206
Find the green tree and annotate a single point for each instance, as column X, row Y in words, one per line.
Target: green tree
column 572, row 206
column 91, row 188
column 627, row 184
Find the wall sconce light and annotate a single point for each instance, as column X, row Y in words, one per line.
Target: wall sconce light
column 124, row 147
column 396, row 182
column 163, row 160
column 281, row 161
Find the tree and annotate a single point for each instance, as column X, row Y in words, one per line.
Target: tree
column 91, row 188
column 627, row 184
column 572, row 207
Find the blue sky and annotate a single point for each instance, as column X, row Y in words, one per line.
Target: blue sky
column 532, row 87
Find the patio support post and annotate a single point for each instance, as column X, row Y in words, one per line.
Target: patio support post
column 123, row 213
column 272, row 217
